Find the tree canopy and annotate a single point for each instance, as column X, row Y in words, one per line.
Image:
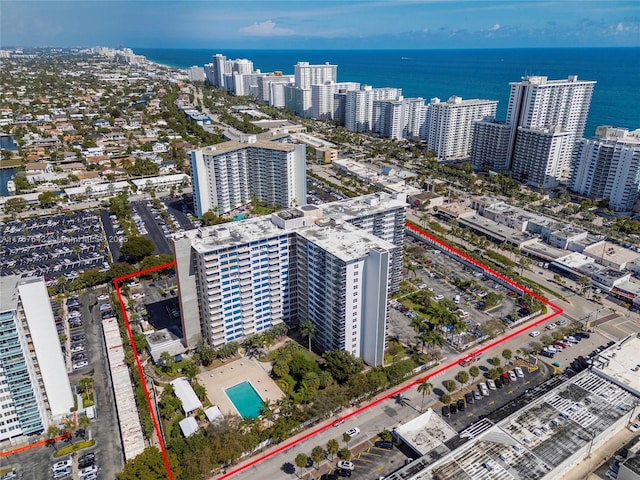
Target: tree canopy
column 137, row 247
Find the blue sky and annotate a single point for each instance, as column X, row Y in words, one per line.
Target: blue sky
column 302, row 24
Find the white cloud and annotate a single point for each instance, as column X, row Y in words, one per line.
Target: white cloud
column 267, row 28
column 495, row 27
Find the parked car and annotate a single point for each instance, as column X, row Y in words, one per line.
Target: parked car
column 62, row 464
column 341, row 472
column 453, row 408
column 79, row 365
column 505, row 378
column 477, row 395
column 498, row 383
column 445, row 410
column 353, row 431
column 384, row 444
column 534, row 334
column 468, row 397
column 461, row 405
column 346, row 465
column 519, row 372
column 491, row 384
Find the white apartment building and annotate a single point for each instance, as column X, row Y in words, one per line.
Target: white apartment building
column 196, row 74
column 241, row 278
column 307, row 75
column 298, row 100
column 449, row 132
column 398, row 119
column 358, row 109
column 322, row 97
column 33, row 376
column 539, row 156
column 539, row 103
column 228, row 175
column 265, row 87
column 490, row 144
column 608, row 166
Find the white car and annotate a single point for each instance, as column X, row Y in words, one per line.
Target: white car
column 352, row 432
column 491, row 384
column 346, row 465
column 519, row 372
column 635, row 427
column 105, row 306
column 534, row 334
column 438, row 297
column 136, row 296
column 483, row 389
column 61, row 465
column 103, row 297
column 551, row 326
column 62, row 473
column 512, row 376
column 81, row 364
column 88, row 470
column 77, row 349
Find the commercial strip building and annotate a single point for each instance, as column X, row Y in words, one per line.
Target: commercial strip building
column 332, row 265
column 230, row 175
column 131, row 435
column 544, row 433
column 33, row 377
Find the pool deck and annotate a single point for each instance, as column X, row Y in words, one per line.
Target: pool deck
column 244, row 369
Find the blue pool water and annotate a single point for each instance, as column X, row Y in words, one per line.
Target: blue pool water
column 245, row 398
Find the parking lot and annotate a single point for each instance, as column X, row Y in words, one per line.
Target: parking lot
column 437, row 272
column 62, row 245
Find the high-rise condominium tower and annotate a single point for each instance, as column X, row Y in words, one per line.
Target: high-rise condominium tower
column 331, row 264
column 33, row 376
column 608, row 166
column 229, row 175
column 536, row 103
column 449, row 125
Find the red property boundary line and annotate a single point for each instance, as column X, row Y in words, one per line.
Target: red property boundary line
column 116, row 283
column 555, row 311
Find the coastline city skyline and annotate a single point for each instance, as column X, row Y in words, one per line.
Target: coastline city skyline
column 274, row 25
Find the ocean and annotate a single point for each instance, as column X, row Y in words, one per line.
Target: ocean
column 468, row 74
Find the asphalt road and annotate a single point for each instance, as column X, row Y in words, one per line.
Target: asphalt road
column 154, row 232
column 114, row 245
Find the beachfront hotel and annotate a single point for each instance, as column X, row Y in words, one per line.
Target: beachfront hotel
column 229, row 175
column 328, row 264
column 34, row 385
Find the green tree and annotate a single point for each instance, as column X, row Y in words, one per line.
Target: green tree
column 307, row 330
column 137, row 247
column 424, row 388
column 301, row 461
column 332, row 447
column 450, row 385
column 210, row 218
column 15, row 205
column 474, row 371
column 317, row 455
column 445, row 398
column 342, row 365
column 84, row 422
column 495, row 361
column 149, row 465
column 345, row 454
column 507, row 354
column 346, row 438
column 462, row 377
column 190, row 369
column 386, row 435
column 48, row 199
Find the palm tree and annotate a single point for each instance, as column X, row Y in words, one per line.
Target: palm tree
column 424, row 388
column 325, row 378
column 346, row 438
column 332, row 447
column 417, row 323
column 301, row 461
column 307, row 330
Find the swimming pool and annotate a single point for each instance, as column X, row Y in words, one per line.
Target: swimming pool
column 245, row 398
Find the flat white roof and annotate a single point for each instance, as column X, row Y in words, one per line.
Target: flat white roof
column 189, row 426
column 187, row 396
column 426, row 432
column 621, row 363
column 213, row 414
column 42, row 326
